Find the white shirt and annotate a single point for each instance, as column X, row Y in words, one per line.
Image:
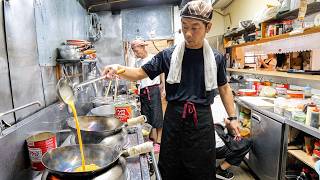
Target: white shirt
column 147, row 81
column 218, row 114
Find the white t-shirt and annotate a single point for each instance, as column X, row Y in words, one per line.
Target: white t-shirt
column 218, row 114
column 147, row 81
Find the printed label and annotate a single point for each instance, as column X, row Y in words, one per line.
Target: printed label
column 35, row 154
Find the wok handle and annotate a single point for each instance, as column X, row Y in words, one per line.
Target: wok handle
column 137, row 120
column 139, row 149
column 155, row 165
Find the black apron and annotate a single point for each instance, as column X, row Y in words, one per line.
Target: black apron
column 151, row 106
column 188, row 143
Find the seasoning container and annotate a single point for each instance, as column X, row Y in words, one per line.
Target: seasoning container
column 310, row 108
column 307, row 143
column 38, row 144
column 281, row 90
column 317, row 145
column 299, row 116
column 280, row 104
column 314, row 118
column 295, row 94
column 307, row 92
column 122, row 108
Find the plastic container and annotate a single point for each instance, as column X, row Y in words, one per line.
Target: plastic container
column 314, row 122
column 247, row 92
column 299, row 116
column 295, row 94
column 280, row 104
column 310, row 108
column 307, row 92
column 281, row 90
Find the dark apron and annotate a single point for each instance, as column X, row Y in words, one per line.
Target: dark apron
column 151, row 106
column 188, row 143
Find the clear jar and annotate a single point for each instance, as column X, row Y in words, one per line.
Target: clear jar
column 307, row 92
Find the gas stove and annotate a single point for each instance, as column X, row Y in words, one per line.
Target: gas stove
column 135, row 168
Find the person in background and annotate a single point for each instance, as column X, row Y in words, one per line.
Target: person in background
column 150, row 95
column 194, row 72
column 231, row 157
column 270, row 63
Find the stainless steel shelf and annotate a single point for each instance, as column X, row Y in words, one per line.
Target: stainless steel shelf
column 307, row 129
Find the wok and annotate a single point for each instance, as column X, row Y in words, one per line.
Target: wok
column 117, row 172
column 95, row 128
column 63, row 161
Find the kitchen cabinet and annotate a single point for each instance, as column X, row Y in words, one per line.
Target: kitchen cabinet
column 266, row 154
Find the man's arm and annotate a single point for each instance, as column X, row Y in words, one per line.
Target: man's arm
column 162, row 85
column 227, row 100
column 131, row 73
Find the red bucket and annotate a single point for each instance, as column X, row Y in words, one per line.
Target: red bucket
column 39, row 144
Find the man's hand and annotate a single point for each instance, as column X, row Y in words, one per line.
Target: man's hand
column 234, row 126
column 110, row 71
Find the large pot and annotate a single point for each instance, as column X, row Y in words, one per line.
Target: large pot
column 69, row 52
column 63, row 161
column 95, row 128
column 104, row 110
column 100, row 101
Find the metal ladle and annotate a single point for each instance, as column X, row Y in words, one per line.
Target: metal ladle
column 65, row 88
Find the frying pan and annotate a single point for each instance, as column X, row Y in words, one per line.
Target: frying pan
column 95, row 128
column 63, row 161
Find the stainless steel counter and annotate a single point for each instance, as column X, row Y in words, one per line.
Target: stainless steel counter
column 269, row 111
column 287, row 123
column 267, row 156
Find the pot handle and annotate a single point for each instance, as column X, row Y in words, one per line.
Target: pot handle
column 139, row 149
column 137, row 120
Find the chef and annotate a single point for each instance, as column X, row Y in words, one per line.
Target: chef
column 194, row 72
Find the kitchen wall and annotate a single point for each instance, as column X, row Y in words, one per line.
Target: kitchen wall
column 239, row 10
column 34, row 29
column 5, row 90
column 109, row 47
column 148, row 23
column 218, row 25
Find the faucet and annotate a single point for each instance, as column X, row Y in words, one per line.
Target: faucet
column 3, row 123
